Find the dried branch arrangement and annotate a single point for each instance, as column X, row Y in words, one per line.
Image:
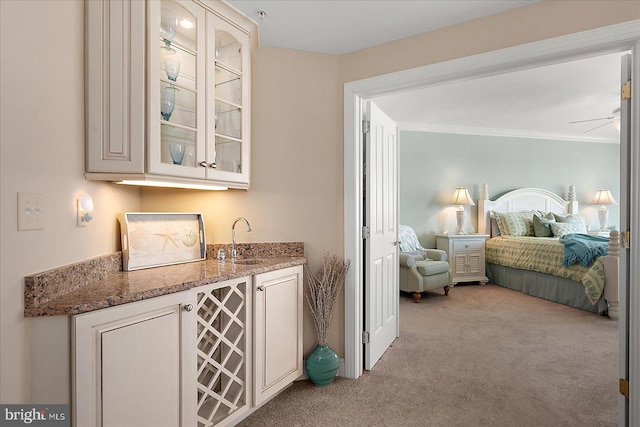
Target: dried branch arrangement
column 323, row 290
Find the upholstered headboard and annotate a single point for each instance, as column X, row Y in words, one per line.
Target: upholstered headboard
column 523, row 199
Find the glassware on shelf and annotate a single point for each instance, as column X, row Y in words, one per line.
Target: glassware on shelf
column 167, row 101
column 172, row 67
column 168, row 27
column 177, row 152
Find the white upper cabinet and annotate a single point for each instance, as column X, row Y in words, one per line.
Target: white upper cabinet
column 196, row 123
column 115, row 80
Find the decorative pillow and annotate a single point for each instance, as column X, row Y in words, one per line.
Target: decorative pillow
column 569, row 218
column 542, row 225
column 561, row 228
column 515, row 223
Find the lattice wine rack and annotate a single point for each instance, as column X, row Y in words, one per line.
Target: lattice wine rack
column 222, row 316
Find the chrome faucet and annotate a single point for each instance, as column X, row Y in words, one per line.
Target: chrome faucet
column 234, row 252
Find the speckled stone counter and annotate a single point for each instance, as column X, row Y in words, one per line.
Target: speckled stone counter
column 100, row 283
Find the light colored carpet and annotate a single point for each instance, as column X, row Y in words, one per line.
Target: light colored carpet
column 484, row 356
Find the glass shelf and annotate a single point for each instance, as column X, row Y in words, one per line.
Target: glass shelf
column 177, row 45
column 176, row 135
column 228, row 119
column 228, row 154
column 228, row 86
column 228, row 51
column 226, row 75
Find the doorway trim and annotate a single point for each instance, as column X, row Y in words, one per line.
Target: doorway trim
column 574, row 46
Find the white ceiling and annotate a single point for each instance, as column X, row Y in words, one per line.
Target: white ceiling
column 341, row 26
column 535, row 103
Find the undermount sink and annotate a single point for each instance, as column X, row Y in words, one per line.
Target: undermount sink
column 248, row 261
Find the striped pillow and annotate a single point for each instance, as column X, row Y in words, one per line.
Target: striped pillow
column 561, row 228
column 515, row 223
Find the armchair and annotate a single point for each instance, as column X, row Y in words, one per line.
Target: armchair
column 421, row 269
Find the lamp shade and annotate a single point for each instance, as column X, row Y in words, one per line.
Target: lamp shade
column 603, row 197
column 461, row 197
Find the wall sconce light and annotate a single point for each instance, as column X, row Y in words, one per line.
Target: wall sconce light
column 85, row 210
column 603, row 197
column 462, row 198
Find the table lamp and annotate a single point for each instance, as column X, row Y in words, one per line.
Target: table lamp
column 603, row 197
column 461, row 198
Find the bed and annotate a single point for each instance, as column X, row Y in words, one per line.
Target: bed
column 533, row 265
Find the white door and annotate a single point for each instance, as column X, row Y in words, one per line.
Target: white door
column 629, row 284
column 381, row 291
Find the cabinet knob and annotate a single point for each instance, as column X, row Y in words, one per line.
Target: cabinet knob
column 396, row 243
column 261, row 288
column 188, row 307
column 213, row 165
column 203, row 164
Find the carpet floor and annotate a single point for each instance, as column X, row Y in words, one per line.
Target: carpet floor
column 483, row 356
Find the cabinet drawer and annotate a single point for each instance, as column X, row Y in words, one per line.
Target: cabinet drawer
column 462, row 245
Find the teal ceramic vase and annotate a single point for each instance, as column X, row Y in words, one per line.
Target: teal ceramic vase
column 322, row 365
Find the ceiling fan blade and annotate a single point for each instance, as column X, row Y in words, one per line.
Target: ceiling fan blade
column 592, row 120
column 608, row 123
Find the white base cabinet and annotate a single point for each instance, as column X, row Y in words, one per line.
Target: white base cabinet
column 140, row 370
column 278, row 331
column 176, row 360
column 207, row 356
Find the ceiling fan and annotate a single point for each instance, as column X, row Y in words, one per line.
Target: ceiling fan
column 613, row 119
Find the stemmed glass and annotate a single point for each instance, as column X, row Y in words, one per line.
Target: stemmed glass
column 167, row 101
column 177, row 152
column 168, row 28
column 172, row 67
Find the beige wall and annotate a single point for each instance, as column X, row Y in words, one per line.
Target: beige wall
column 297, row 147
column 538, row 21
column 297, row 166
column 42, row 140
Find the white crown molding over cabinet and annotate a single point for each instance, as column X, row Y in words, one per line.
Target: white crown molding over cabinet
column 210, row 119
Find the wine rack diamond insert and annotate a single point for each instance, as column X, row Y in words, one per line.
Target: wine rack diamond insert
column 221, row 352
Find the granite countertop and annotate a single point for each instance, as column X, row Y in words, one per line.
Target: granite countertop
column 100, row 283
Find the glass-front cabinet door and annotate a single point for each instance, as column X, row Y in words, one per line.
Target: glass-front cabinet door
column 198, row 94
column 176, row 139
column 229, row 109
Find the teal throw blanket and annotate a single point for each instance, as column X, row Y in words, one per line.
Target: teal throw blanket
column 583, row 248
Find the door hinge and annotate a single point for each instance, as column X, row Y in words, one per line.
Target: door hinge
column 624, row 387
column 365, row 337
column 625, row 239
column 626, row 90
column 366, row 126
column 365, row 232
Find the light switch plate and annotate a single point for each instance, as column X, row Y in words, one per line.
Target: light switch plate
column 32, row 212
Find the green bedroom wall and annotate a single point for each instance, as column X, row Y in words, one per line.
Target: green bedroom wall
column 432, row 165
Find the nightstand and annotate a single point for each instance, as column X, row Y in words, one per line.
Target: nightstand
column 465, row 253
